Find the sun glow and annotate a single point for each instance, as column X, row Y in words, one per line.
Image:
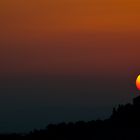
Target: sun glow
column 138, row 82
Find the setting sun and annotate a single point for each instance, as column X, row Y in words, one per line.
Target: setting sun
column 138, row 82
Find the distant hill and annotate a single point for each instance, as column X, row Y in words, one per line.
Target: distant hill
column 124, row 124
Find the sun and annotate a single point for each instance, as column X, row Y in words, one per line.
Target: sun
column 138, row 82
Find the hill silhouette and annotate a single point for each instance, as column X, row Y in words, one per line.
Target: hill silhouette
column 123, row 124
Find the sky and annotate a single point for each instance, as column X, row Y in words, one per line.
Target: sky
column 66, row 60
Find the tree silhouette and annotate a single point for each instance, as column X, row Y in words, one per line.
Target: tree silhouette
column 124, row 123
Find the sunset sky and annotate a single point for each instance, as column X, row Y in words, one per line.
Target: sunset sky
column 66, row 59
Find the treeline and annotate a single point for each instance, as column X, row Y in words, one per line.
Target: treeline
column 124, row 123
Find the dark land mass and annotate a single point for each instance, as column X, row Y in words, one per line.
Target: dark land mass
column 123, row 124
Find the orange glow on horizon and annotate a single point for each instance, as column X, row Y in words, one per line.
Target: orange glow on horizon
column 138, row 82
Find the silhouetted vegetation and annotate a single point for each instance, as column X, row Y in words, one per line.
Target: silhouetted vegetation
column 124, row 124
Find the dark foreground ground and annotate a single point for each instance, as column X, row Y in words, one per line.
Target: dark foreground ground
column 124, row 124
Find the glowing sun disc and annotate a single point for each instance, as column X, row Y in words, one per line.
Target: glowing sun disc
column 138, row 82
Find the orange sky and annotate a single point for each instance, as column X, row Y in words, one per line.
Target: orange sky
column 68, row 36
column 70, row 15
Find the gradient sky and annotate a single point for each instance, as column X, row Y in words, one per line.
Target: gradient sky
column 66, row 59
